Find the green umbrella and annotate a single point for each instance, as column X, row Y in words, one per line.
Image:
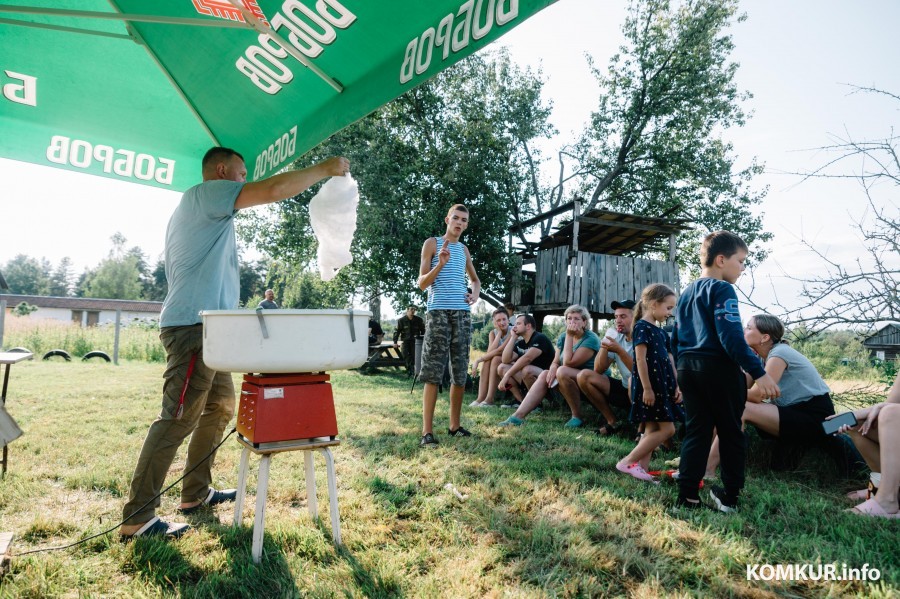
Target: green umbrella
column 140, row 89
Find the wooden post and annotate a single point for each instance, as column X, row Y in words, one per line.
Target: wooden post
column 671, row 247
column 116, row 342
column 2, row 320
column 573, row 256
column 5, row 543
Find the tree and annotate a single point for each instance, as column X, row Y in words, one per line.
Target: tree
column 27, row 276
column 60, row 281
column 655, row 145
column 156, row 287
column 296, row 287
column 116, row 277
column 455, row 139
column 252, row 279
column 867, row 290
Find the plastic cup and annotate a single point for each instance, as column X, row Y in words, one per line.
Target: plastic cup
column 611, row 333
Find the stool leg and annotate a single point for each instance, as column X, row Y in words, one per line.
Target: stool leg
column 241, row 487
column 332, row 496
column 259, row 521
column 311, row 501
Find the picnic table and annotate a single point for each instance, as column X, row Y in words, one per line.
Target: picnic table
column 385, row 355
column 8, row 359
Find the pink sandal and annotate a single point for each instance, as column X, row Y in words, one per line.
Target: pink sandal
column 637, row 471
column 873, row 508
column 862, row 494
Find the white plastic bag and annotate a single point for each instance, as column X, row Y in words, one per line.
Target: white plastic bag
column 332, row 213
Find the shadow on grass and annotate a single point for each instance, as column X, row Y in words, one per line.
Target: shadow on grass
column 162, row 564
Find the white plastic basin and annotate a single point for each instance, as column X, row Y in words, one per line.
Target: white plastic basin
column 298, row 340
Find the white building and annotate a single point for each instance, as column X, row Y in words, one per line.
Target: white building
column 84, row 310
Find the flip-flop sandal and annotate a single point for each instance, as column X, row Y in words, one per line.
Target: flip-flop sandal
column 608, row 430
column 862, row 494
column 158, row 528
column 873, row 508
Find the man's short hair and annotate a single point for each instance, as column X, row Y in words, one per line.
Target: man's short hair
column 720, row 243
column 459, row 207
column 413, row 308
column 529, row 319
column 218, row 153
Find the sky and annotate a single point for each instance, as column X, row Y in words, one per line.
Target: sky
column 797, row 57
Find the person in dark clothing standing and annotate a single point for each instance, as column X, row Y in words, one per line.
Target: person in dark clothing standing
column 710, row 351
column 408, row 328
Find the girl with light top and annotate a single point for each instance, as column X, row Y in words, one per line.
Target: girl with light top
column 490, row 360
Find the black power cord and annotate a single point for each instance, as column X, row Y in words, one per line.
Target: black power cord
column 109, row 530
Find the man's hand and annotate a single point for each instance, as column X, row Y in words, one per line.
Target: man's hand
column 470, row 298
column 444, row 254
column 336, row 166
column 610, row 345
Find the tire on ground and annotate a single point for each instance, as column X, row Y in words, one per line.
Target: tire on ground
column 57, row 352
column 96, row 354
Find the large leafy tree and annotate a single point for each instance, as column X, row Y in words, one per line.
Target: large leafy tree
column 455, row 139
column 118, row 276
column 656, row 144
column 26, row 275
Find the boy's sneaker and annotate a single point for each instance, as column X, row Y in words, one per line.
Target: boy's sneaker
column 684, row 503
column 428, row 440
column 460, row 432
column 724, row 502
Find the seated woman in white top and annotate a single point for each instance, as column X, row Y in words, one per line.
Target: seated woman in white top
column 805, row 402
column 490, row 360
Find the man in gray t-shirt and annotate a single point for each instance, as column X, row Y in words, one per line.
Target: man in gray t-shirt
column 269, row 302
column 202, row 273
column 601, row 389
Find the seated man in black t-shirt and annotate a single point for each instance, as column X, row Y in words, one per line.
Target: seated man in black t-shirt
column 376, row 333
column 524, row 361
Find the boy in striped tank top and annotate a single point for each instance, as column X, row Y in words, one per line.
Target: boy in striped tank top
column 448, row 324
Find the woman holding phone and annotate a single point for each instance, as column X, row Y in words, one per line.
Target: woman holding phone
column 877, row 437
column 805, row 402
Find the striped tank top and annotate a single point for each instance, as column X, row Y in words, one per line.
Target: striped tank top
column 448, row 292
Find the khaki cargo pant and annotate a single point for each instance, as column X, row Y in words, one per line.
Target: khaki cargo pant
column 208, row 407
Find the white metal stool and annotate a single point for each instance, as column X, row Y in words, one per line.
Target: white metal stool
column 266, row 450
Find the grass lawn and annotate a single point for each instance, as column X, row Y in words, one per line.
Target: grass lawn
column 545, row 514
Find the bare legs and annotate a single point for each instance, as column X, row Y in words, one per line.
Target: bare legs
column 596, row 388
column 568, row 387
column 655, row 434
column 488, row 381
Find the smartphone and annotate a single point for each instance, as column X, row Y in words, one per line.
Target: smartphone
column 831, row 426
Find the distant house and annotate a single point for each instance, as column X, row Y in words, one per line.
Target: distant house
column 83, row 310
column 885, row 343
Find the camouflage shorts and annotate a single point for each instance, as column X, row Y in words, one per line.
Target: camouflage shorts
column 446, row 332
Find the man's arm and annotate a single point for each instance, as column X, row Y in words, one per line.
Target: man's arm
column 287, row 185
column 471, row 298
column 602, row 361
column 524, row 360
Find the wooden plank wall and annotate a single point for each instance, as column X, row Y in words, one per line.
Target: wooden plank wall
column 515, row 290
column 598, row 279
column 551, row 283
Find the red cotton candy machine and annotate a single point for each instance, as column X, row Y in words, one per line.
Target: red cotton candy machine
column 291, row 398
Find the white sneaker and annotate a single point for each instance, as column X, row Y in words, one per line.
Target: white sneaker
column 475, row 404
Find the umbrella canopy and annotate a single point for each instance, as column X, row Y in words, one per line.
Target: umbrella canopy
column 139, row 89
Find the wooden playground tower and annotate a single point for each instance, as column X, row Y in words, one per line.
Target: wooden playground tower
column 592, row 259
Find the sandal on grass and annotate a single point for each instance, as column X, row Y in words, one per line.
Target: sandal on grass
column 608, row 430
column 873, row 508
column 862, row 494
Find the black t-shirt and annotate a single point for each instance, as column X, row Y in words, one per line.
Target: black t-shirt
column 376, row 330
column 540, row 341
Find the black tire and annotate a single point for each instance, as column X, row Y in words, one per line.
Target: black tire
column 19, row 350
column 57, row 352
column 96, row 354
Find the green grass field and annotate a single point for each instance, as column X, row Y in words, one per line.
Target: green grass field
column 545, row 514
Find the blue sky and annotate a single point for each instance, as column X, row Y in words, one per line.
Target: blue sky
column 796, row 57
